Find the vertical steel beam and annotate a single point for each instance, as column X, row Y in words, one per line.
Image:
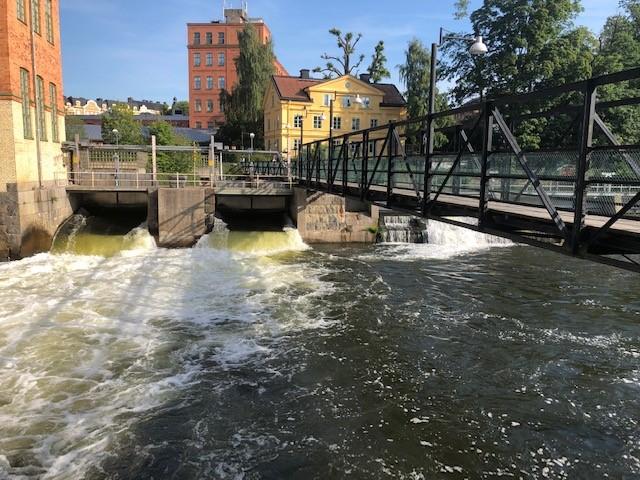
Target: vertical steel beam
column 487, row 146
column 391, row 151
column 364, row 163
column 429, row 141
column 586, row 142
column 345, row 165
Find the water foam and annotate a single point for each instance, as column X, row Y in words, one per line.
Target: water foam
column 445, row 241
column 253, row 243
column 88, row 344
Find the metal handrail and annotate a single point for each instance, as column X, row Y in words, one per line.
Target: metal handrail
column 142, row 180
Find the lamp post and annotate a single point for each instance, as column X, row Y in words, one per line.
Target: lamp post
column 478, row 48
column 251, row 136
column 116, row 157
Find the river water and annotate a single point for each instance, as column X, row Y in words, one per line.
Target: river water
column 255, row 357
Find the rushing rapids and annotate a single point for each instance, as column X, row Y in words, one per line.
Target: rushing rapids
column 253, row 356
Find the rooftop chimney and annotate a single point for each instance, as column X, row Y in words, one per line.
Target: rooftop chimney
column 305, row 73
column 365, row 77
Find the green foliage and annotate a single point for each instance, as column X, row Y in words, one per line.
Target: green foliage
column 378, row 68
column 532, row 43
column 244, row 106
column 620, row 50
column 121, row 118
column 461, row 9
column 74, row 126
column 416, row 75
column 182, row 106
column 172, row 162
column 343, row 64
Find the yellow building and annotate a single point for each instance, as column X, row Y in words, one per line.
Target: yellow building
column 297, row 109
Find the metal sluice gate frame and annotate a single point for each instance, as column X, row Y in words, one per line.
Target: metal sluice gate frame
column 542, row 168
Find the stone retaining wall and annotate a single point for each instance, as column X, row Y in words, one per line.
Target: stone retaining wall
column 30, row 217
column 326, row 218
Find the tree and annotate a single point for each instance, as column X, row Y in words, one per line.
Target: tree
column 415, row 73
column 620, row 50
column 243, row 107
column 378, row 69
column 181, row 106
column 171, row 162
column 531, row 45
column 120, row 118
column 461, row 9
column 343, row 64
column 74, row 126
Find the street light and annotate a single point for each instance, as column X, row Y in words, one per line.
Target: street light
column 116, row 157
column 478, row 48
column 251, row 136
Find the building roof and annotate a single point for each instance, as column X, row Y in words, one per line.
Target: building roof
column 392, row 96
column 93, row 133
column 296, row 89
column 194, row 134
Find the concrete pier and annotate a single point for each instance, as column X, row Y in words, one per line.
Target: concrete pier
column 183, row 215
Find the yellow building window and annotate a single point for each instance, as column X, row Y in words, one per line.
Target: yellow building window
column 337, row 123
column 355, row 123
column 297, row 121
column 317, row 121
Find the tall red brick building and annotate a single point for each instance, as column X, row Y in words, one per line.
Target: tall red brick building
column 31, row 125
column 213, row 48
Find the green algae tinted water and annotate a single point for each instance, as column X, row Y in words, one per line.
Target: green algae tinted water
column 252, row 357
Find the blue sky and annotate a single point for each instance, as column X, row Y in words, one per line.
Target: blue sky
column 121, row 48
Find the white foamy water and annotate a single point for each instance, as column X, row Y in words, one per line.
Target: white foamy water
column 89, row 344
column 444, row 241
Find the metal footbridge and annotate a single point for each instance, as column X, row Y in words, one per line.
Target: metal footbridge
column 543, row 168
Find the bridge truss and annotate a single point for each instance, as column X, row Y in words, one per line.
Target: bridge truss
column 544, row 168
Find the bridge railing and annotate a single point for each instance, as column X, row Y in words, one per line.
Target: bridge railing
column 554, row 149
column 118, row 180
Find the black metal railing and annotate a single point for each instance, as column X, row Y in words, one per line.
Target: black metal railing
column 554, row 149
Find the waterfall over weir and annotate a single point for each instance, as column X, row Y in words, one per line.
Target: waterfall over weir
column 403, row 229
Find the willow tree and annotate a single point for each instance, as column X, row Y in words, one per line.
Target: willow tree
column 243, row 106
column 378, row 68
column 415, row 73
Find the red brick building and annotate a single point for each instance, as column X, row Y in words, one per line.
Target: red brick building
column 31, row 100
column 31, row 126
column 213, row 48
